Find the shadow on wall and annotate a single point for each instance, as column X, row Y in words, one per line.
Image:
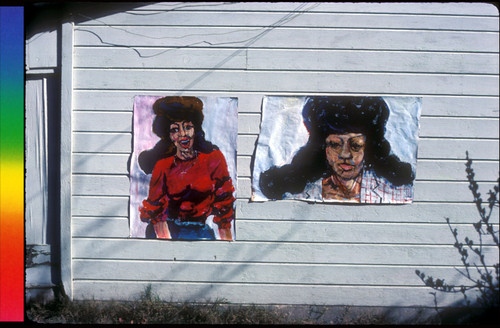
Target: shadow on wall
column 44, row 17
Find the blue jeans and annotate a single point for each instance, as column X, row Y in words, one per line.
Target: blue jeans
column 184, row 230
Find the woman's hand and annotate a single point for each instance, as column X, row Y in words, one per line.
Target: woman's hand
column 161, row 229
column 225, row 234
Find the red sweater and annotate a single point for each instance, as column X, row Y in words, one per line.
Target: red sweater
column 190, row 190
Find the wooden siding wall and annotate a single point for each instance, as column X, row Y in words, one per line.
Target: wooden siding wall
column 286, row 252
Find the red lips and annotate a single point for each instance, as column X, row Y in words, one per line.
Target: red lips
column 346, row 167
column 184, row 142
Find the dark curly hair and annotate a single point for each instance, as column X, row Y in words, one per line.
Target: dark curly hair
column 324, row 115
column 169, row 110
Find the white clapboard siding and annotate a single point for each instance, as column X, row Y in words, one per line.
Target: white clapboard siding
column 120, row 100
column 456, row 148
column 324, row 38
column 285, row 252
column 147, row 79
column 307, row 19
column 102, row 227
column 317, row 232
column 241, row 272
column 102, row 142
column 297, row 60
column 268, row 252
column 100, row 206
column 415, row 8
column 266, row 294
column 101, row 163
column 435, row 212
column 455, row 170
column 377, row 233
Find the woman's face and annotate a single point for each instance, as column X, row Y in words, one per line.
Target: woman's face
column 345, row 154
column 182, row 135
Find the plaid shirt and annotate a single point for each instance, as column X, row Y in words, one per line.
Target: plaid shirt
column 374, row 189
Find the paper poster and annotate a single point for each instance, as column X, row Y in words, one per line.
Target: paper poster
column 183, row 168
column 337, row 149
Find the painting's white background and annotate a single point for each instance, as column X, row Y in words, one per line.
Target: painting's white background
column 286, row 252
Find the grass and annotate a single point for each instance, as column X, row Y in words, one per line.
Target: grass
column 150, row 309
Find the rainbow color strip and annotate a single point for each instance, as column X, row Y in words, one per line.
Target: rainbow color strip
column 11, row 163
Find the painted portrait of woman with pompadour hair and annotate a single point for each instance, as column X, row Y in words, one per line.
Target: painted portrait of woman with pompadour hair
column 183, row 168
column 337, row 149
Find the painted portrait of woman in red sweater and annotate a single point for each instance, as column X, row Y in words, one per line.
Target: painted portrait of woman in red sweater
column 191, row 192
